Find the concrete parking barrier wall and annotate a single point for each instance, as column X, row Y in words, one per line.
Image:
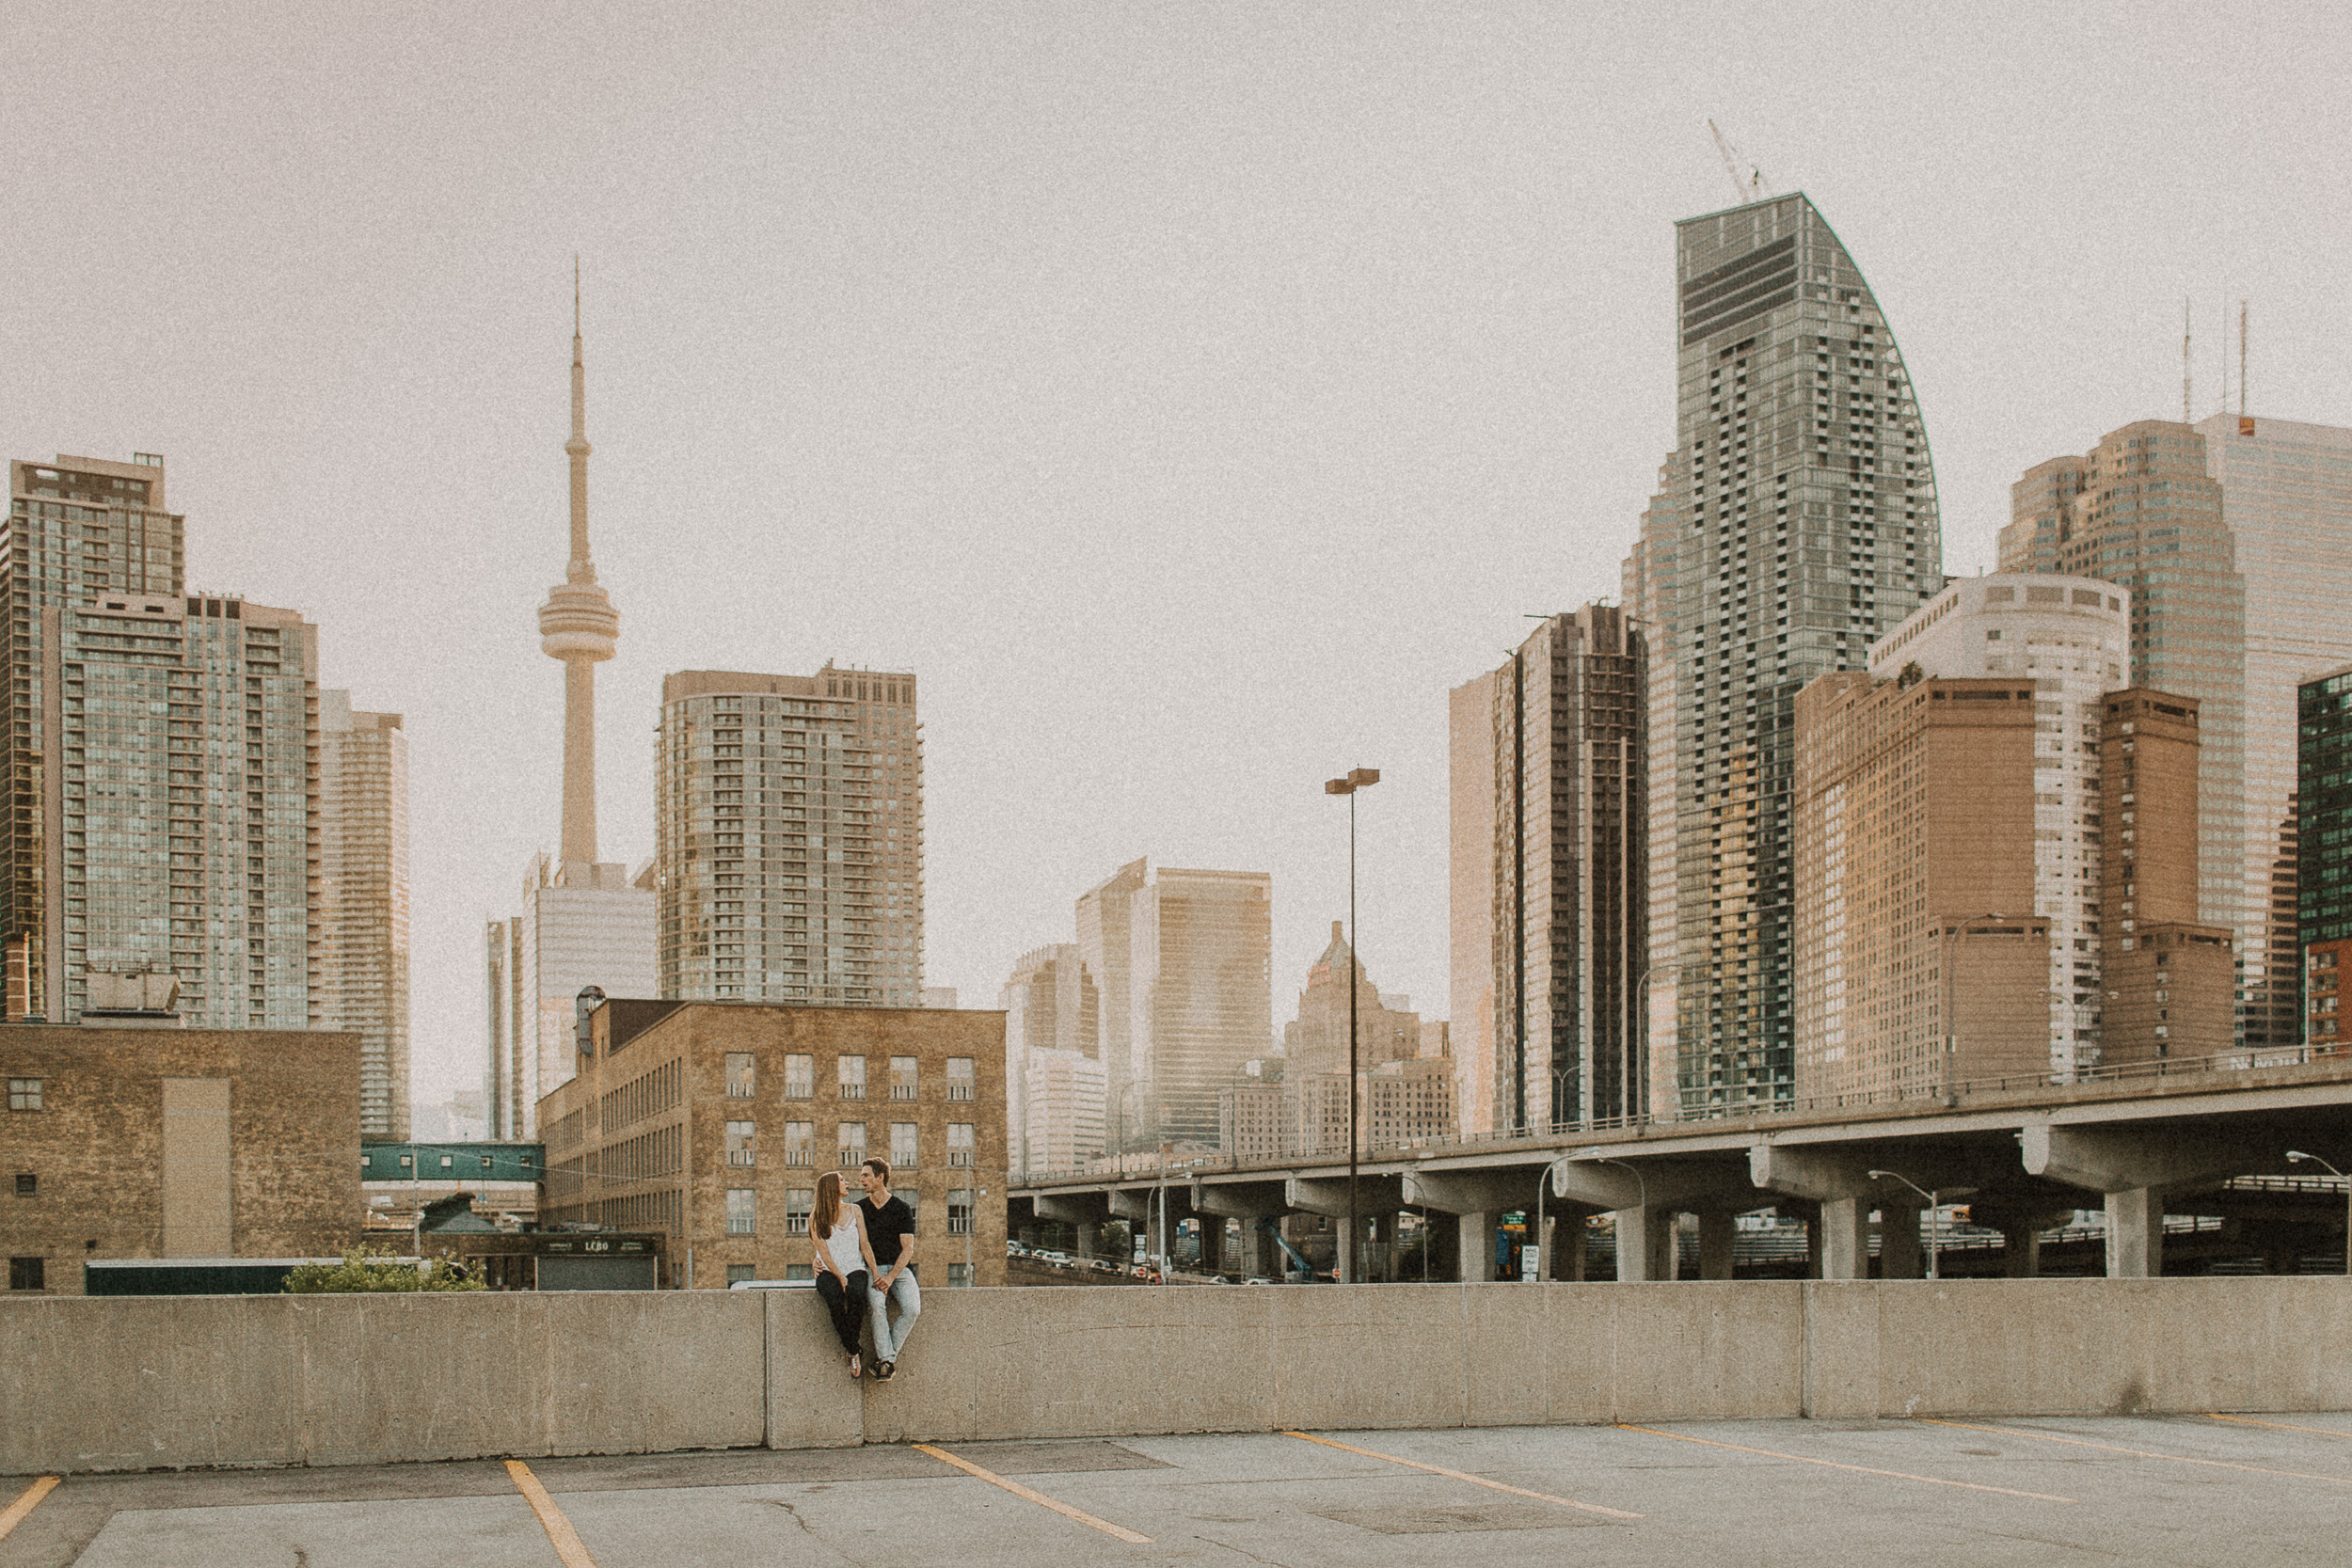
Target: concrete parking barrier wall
column 129, row 1383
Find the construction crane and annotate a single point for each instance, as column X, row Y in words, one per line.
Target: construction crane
column 1750, row 189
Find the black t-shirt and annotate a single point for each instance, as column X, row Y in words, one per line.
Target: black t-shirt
column 883, row 1227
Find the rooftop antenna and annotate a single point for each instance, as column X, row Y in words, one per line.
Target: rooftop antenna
column 1752, row 188
column 2223, row 338
column 2186, row 417
column 2241, row 360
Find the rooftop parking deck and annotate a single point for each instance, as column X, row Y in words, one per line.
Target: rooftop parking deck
column 2223, row 1490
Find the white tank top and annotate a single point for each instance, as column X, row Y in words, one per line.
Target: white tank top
column 842, row 1245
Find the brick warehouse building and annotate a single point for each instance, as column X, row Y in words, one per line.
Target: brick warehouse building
column 710, row 1121
column 174, row 1143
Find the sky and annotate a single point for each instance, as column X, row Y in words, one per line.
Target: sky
column 1192, row 394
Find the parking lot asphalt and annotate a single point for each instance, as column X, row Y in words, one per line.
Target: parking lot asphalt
column 2212, row 1490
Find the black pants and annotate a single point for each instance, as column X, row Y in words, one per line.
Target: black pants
column 847, row 1306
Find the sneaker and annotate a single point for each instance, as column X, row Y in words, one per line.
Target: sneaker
column 885, row 1371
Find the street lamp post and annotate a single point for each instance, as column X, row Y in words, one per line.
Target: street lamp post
column 1357, row 778
column 1935, row 1231
column 1543, row 1260
column 2296, row 1156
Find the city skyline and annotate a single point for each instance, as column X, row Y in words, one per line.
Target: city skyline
column 1095, row 396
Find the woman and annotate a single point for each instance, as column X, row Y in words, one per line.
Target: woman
column 845, row 1263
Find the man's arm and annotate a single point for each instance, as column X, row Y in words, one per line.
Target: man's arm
column 906, row 1256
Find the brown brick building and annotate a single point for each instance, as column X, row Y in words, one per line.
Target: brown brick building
column 2170, row 981
column 174, row 1143
column 1916, row 935
column 710, row 1121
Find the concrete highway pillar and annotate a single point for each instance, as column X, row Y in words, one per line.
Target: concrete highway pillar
column 2135, row 1233
column 2021, row 1250
column 1567, row 1259
column 1476, row 1248
column 1444, row 1244
column 1716, row 1232
column 1645, row 1244
column 1845, row 1238
column 1252, row 1261
column 1899, row 1257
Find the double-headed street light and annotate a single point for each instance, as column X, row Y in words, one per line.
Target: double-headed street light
column 2295, row 1157
column 1357, row 778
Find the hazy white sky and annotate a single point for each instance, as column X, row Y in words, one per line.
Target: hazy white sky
column 1191, row 393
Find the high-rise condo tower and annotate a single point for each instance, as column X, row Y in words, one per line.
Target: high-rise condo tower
column 1797, row 523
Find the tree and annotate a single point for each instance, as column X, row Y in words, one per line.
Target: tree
column 365, row 1268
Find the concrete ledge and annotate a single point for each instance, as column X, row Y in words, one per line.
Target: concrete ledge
column 142, row 1383
column 91, row 1383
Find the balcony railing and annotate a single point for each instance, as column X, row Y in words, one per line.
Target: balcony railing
column 741, row 1157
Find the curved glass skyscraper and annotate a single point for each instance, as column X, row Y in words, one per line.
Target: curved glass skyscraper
column 1797, row 522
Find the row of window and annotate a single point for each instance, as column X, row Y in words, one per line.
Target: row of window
column 800, row 1203
column 800, row 1144
column 849, row 1082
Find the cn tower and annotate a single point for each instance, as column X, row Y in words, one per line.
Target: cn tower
column 578, row 626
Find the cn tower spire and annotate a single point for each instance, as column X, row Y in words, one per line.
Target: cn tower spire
column 578, row 626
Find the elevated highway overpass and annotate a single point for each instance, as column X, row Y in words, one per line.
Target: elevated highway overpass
column 2023, row 1156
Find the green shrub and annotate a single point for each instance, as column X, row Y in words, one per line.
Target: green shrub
column 363, row 1269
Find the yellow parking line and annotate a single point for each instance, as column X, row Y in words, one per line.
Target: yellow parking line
column 2282, row 1426
column 1038, row 1498
column 1461, row 1474
column 25, row 1502
column 2138, row 1453
column 1859, row 1469
column 560, row 1533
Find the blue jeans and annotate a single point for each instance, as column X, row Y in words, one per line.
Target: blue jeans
column 910, row 1299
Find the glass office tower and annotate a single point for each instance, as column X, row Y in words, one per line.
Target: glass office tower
column 1802, row 506
column 2286, row 495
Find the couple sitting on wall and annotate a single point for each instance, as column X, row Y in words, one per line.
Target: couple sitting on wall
column 850, row 1240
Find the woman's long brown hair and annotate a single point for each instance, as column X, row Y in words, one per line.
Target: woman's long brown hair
column 828, row 1212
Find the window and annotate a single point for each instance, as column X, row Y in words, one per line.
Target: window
column 27, row 1184
column 958, row 1273
column 800, row 1143
column 743, row 1211
column 852, row 1076
column 902, row 1078
column 742, row 1142
column 959, row 1077
column 902, row 1146
column 24, row 1094
column 736, row 1272
column 960, row 1211
column 27, row 1273
column 798, row 1203
column 959, row 1142
column 800, row 1078
column 800, row 1271
column 739, row 1075
column 852, row 1145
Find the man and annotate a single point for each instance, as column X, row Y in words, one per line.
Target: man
column 890, row 1230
